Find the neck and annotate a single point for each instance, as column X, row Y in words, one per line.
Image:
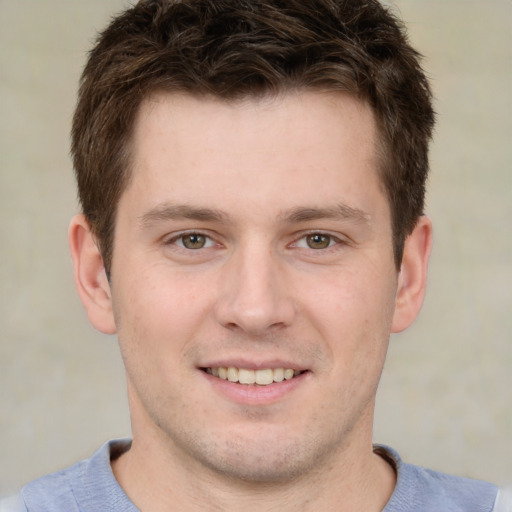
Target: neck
column 354, row 478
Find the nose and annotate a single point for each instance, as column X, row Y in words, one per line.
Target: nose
column 254, row 296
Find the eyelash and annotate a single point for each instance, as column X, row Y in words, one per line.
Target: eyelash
column 180, row 236
column 333, row 240
column 210, row 242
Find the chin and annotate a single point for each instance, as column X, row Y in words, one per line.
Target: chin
column 260, row 468
column 262, row 459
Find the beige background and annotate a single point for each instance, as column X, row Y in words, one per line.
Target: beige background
column 446, row 396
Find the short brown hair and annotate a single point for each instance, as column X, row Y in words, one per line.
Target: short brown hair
column 237, row 48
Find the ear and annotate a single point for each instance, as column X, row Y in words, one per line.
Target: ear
column 90, row 278
column 412, row 279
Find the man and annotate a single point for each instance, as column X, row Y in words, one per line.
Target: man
column 251, row 175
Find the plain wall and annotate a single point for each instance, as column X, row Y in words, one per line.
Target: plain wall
column 446, row 394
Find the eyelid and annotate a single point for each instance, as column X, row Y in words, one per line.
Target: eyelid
column 337, row 239
column 212, row 241
column 175, row 237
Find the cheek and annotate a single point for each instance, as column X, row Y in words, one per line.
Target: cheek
column 144, row 311
column 159, row 313
column 158, row 297
column 353, row 312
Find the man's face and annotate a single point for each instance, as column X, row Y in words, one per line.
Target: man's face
column 254, row 237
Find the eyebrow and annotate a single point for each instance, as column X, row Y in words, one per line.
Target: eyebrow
column 340, row 211
column 167, row 212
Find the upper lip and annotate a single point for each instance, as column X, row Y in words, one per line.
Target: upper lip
column 253, row 364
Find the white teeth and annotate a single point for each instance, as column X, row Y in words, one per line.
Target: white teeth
column 279, row 375
column 232, row 374
column 264, row 377
column 288, row 374
column 246, row 376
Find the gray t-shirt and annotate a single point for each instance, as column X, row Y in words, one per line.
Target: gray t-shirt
column 90, row 486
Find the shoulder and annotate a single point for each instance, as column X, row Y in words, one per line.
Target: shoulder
column 87, row 485
column 13, row 504
column 424, row 490
column 504, row 500
column 50, row 493
column 448, row 492
column 54, row 492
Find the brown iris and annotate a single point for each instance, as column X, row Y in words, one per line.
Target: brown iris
column 318, row 241
column 194, row 241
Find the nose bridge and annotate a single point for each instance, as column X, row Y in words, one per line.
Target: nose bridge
column 253, row 292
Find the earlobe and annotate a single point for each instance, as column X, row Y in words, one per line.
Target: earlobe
column 412, row 279
column 90, row 278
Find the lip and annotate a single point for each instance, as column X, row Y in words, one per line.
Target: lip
column 254, row 364
column 253, row 394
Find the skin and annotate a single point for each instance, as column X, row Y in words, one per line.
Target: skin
column 255, row 179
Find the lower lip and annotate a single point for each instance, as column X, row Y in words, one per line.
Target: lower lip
column 254, row 394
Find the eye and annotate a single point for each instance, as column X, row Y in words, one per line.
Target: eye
column 316, row 241
column 194, row 241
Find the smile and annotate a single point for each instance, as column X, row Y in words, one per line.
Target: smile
column 262, row 377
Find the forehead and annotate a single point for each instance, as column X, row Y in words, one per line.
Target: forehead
column 304, row 115
column 281, row 148
column 316, row 103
